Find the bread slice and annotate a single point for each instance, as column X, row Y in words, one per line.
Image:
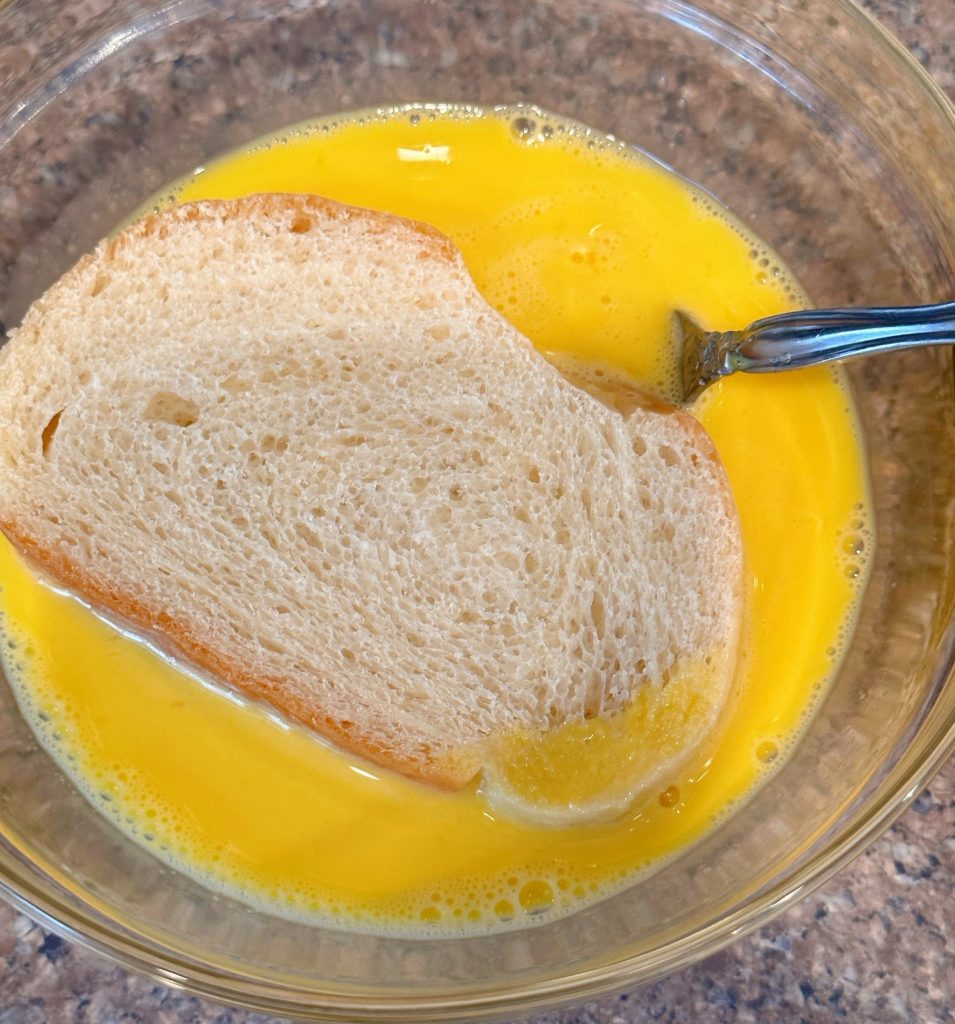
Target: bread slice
column 290, row 438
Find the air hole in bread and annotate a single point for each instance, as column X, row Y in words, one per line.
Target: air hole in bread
column 236, row 384
column 311, row 538
column 46, row 438
column 300, row 225
column 669, row 455
column 598, row 615
column 168, row 407
column 639, row 446
column 99, row 285
column 271, row 443
column 666, row 531
column 507, row 560
column 438, row 332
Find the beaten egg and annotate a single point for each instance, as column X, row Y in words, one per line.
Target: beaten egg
column 587, row 247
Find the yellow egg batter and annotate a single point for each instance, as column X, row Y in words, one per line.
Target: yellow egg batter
column 586, row 247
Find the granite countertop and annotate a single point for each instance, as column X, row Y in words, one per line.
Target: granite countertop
column 877, row 943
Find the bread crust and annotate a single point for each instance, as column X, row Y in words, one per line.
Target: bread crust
column 181, row 641
column 434, row 245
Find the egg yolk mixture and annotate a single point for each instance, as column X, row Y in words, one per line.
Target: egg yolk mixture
column 587, row 247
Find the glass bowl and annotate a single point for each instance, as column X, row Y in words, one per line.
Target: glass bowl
column 816, row 128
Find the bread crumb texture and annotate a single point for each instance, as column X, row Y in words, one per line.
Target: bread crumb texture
column 292, row 439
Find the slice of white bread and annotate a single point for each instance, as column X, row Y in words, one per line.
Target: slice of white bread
column 291, row 439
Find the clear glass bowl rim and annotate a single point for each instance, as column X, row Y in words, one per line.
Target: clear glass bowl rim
column 928, row 751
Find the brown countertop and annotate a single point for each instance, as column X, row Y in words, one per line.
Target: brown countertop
column 875, row 944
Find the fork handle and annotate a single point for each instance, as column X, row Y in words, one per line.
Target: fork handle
column 809, row 337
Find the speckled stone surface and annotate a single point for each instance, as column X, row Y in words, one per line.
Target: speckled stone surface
column 875, row 944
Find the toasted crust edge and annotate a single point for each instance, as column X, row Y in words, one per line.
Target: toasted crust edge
column 434, row 244
column 181, row 641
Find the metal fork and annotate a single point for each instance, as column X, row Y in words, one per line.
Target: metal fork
column 806, row 338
